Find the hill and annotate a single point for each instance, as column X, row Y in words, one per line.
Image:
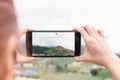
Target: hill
column 59, row 51
column 54, row 51
column 39, row 49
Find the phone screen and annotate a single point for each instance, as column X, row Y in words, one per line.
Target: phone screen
column 53, row 43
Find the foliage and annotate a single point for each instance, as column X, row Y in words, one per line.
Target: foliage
column 39, row 49
column 68, row 76
column 59, row 51
column 53, row 51
column 62, row 71
column 104, row 74
column 61, row 68
column 60, row 61
column 94, row 72
column 61, row 64
column 36, row 76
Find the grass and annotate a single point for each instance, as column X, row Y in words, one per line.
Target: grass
column 67, row 76
column 51, row 74
column 102, row 75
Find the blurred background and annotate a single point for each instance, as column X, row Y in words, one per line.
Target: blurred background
column 65, row 15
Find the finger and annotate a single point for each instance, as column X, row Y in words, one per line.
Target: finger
column 84, row 34
column 23, row 31
column 101, row 33
column 89, row 30
column 95, row 31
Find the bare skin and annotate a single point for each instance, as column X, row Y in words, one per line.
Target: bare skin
column 98, row 51
column 8, row 38
column 20, row 58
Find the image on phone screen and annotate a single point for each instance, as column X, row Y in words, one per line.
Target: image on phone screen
column 53, row 43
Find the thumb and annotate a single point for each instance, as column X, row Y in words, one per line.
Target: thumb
column 81, row 58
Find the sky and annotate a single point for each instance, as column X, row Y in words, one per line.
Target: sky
column 54, row 39
column 67, row 14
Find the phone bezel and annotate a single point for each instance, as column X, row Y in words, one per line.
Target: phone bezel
column 29, row 42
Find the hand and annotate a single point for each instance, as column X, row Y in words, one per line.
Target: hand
column 20, row 58
column 97, row 50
